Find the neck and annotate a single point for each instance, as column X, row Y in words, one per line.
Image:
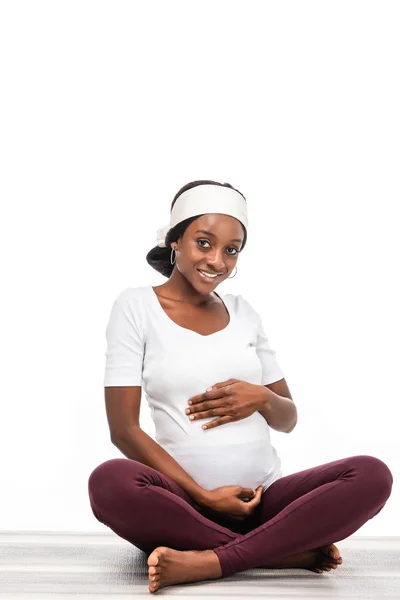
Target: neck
column 178, row 287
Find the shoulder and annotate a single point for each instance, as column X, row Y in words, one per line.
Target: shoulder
column 132, row 300
column 242, row 306
column 131, row 294
column 128, row 313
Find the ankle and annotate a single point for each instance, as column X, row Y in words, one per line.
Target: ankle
column 213, row 564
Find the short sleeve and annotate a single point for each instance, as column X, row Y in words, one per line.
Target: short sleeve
column 271, row 370
column 125, row 343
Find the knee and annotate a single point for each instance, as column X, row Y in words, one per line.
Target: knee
column 377, row 472
column 112, row 486
column 109, row 474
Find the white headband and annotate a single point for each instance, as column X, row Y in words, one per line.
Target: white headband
column 203, row 199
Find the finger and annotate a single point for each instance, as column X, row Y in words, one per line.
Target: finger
column 202, row 406
column 221, row 384
column 209, row 414
column 216, row 392
column 217, row 422
column 203, row 401
column 249, row 492
column 246, row 493
column 257, row 497
column 194, row 400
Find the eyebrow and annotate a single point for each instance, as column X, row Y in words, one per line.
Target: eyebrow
column 213, row 234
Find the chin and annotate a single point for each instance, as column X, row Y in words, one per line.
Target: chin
column 204, row 287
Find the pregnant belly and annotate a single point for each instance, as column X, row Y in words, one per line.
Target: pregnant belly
column 248, row 464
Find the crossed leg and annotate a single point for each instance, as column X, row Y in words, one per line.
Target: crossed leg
column 297, row 513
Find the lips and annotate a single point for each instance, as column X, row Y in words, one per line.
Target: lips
column 205, row 278
column 213, row 274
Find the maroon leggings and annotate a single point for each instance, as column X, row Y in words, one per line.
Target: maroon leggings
column 298, row 512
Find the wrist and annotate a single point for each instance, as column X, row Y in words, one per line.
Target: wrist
column 200, row 496
column 265, row 396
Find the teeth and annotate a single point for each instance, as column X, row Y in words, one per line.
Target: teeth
column 207, row 274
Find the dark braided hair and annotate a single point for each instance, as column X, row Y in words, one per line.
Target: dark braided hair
column 160, row 258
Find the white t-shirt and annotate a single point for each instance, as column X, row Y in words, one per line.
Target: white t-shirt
column 145, row 347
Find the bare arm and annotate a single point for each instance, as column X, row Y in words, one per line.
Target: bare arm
column 280, row 412
column 139, row 446
column 123, row 410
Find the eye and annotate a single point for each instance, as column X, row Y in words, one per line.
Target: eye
column 231, row 248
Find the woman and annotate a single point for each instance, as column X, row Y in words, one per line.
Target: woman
column 208, row 499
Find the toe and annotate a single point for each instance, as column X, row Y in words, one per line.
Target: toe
column 326, row 564
column 331, row 555
column 153, row 559
column 156, row 556
column 331, row 550
column 154, row 586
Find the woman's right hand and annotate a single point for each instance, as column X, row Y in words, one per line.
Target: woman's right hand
column 227, row 500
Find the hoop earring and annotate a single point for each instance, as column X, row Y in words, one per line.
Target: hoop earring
column 173, row 262
column 233, row 275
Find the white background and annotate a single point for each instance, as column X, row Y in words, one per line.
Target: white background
column 107, row 109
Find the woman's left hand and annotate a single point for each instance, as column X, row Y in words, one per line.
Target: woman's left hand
column 230, row 400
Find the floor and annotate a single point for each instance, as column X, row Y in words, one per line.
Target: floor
column 100, row 566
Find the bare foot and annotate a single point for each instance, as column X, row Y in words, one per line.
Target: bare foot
column 169, row 567
column 317, row 560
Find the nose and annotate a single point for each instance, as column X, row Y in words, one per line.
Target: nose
column 216, row 265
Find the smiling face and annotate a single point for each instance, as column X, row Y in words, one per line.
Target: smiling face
column 214, row 252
